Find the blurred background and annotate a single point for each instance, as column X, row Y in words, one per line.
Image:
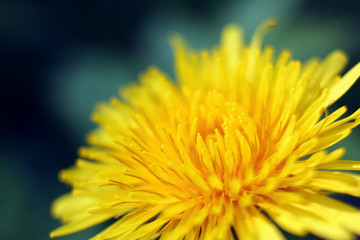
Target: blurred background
column 58, row 58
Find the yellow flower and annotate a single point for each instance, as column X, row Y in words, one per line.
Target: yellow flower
column 240, row 134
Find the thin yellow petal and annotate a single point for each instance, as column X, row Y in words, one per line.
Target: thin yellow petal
column 231, row 41
column 341, row 165
column 337, row 182
column 80, row 224
column 340, row 87
column 347, row 215
column 264, row 228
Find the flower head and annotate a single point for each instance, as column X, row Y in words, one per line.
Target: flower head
column 235, row 149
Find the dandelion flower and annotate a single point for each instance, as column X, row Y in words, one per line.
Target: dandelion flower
column 235, row 149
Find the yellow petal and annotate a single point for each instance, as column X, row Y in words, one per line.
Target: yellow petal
column 348, row 216
column 80, row 224
column 340, row 87
column 251, row 224
column 68, row 206
column 341, row 165
column 264, row 228
column 331, row 67
column 231, row 41
column 336, row 182
column 285, row 220
column 188, row 222
column 318, row 223
column 131, row 222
